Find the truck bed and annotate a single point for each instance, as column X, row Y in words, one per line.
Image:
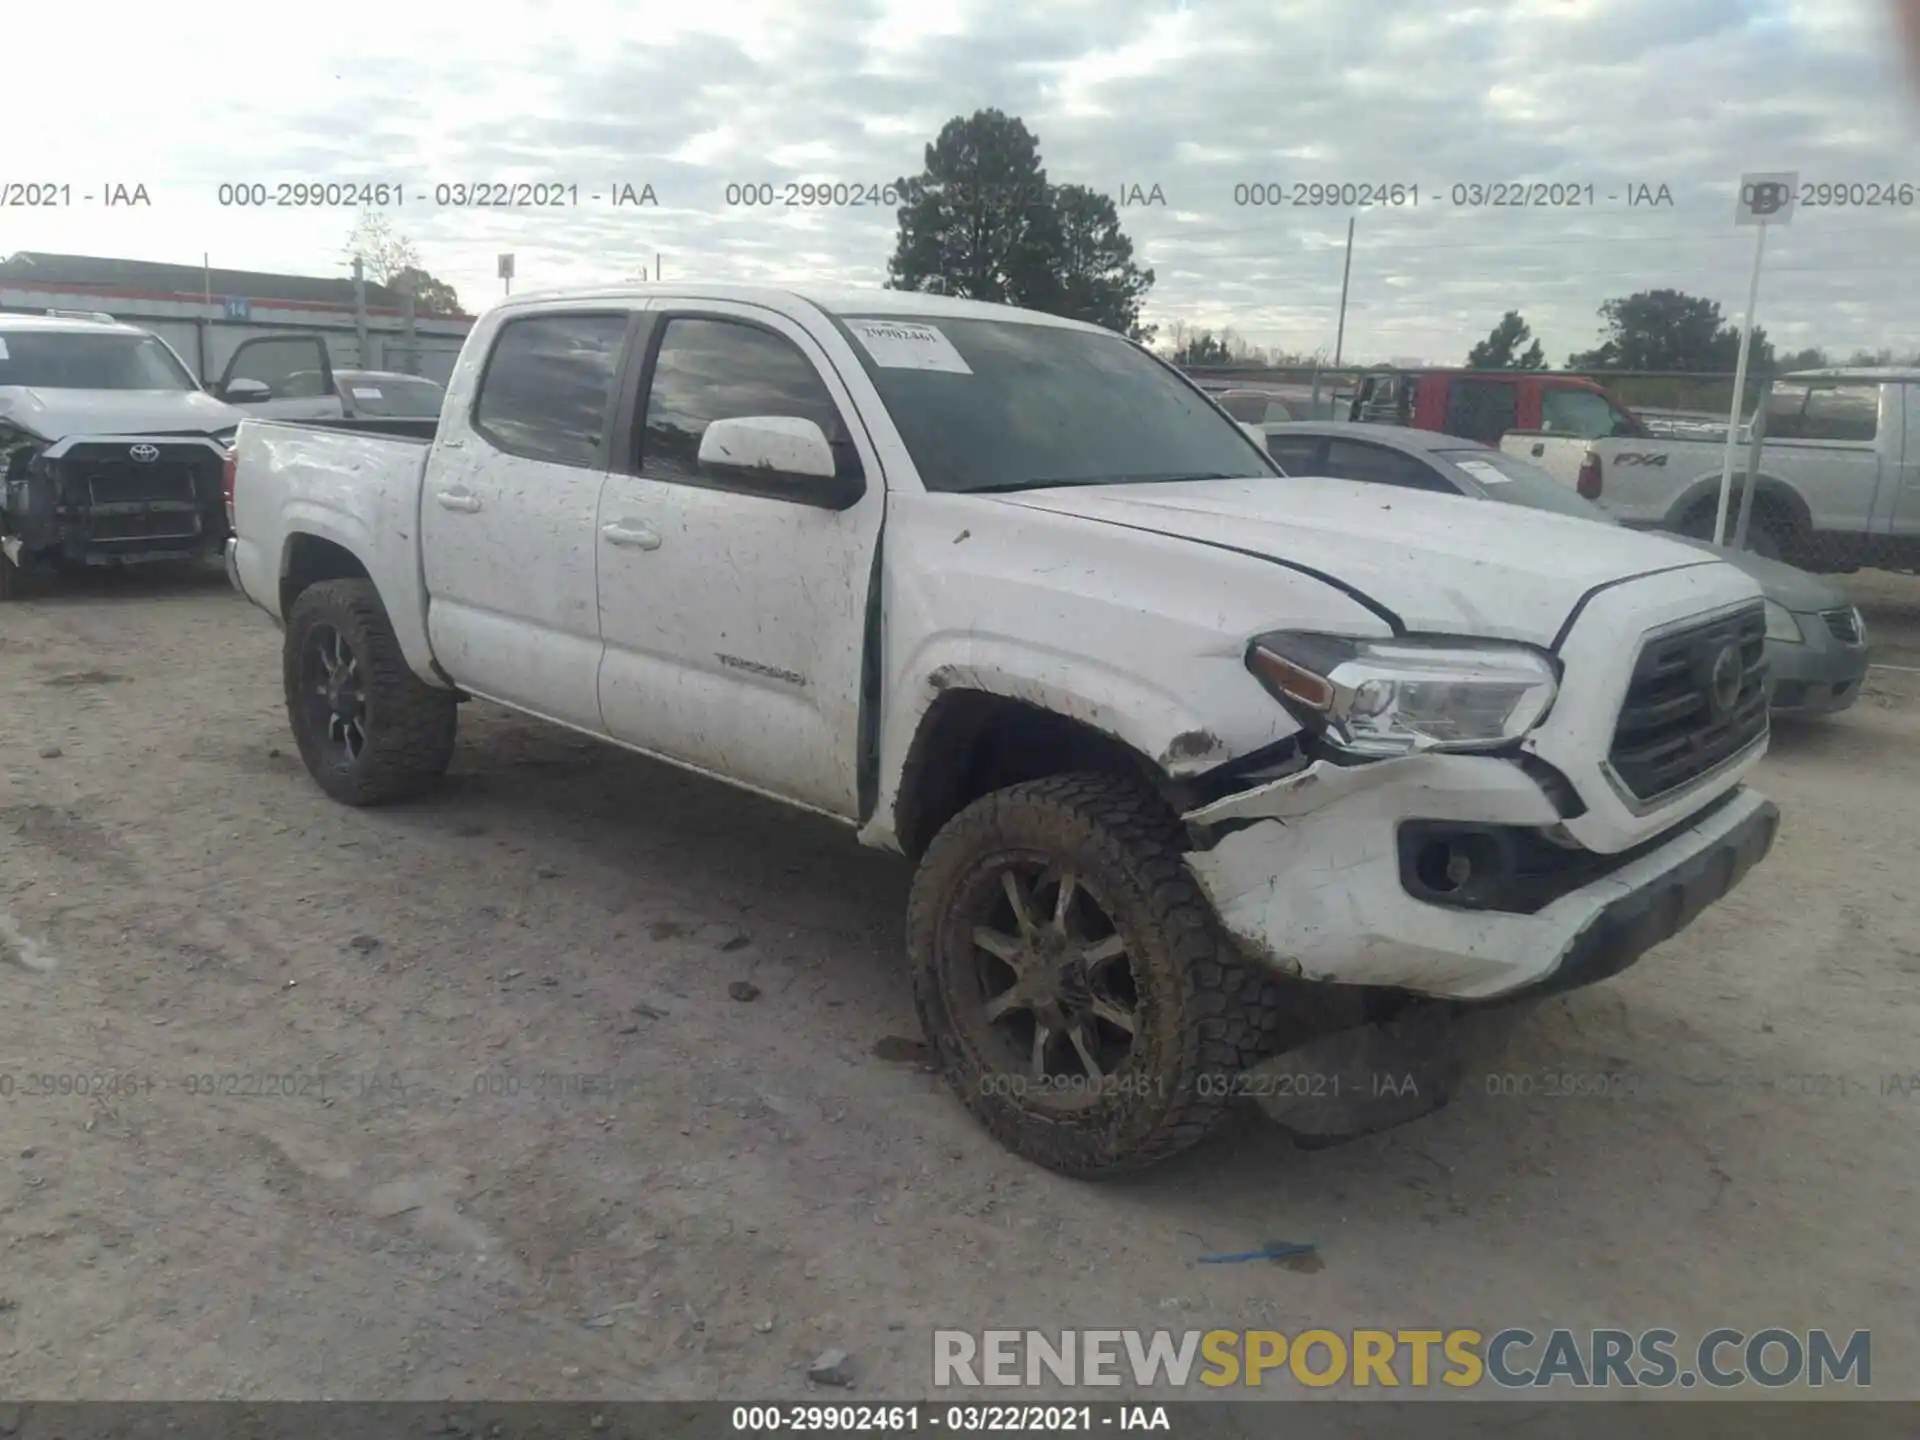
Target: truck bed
column 421, row 431
column 352, row 484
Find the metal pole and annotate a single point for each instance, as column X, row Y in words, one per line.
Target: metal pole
column 1739, row 392
column 1346, row 272
column 409, row 326
column 360, row 308
column 1754, row 442
column 206, row 294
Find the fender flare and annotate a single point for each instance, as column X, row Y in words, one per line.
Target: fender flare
column 1165, row 735
column 352, row 534
column 1770, row 490
column 313, row 522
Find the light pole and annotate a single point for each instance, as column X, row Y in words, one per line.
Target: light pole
column 1764, row 199
column 1346, row 273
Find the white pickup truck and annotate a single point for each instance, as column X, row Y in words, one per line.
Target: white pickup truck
column 1837, row 487
column 1183, row 748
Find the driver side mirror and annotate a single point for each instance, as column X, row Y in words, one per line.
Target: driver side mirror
column 784, row 457
column 244, row 392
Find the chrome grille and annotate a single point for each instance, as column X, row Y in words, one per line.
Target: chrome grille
column 103, row 472
column 1671, row 729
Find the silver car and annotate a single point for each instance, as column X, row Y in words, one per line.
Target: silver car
column 1816, row 640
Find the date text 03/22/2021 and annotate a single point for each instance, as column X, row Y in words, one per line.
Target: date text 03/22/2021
column 454, row 195
column 1467, row 195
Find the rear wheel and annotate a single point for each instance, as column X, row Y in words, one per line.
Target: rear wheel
column 370, row 731
column 1767, row 529
column 1766, row 536
column 1072, row 978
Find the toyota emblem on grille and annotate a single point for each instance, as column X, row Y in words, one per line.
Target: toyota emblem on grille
column 1723, row 681
column 146, row 454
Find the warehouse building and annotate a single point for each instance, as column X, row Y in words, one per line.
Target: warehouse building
column 204, row 313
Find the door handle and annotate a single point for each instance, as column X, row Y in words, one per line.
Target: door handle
column 457, row 500
column 1539, row 448
column 631, row 537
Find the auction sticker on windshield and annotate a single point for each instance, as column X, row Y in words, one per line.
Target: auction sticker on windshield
column 3, row 351
column 1483, row 472
column 904, row 345
column 366, row 393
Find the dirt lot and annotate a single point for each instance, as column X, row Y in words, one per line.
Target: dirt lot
column 741, row 1184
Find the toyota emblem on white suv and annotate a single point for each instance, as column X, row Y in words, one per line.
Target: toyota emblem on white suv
column 146, row 454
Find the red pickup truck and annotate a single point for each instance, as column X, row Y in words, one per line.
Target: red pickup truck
column 1485, row 405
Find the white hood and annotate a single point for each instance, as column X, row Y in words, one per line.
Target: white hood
column 1442, row 564
column 66, row 414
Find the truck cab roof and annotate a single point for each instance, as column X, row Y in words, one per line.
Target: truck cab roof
column 1883, row 373
column 66, row 325
column 833, row 300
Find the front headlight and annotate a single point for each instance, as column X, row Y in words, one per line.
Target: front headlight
column 18, row 451
column 1782, row 626
column 1394, row 697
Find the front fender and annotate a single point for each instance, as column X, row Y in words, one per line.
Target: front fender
column 1181, row 735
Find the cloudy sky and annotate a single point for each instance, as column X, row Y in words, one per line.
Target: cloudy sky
column 1195, row 97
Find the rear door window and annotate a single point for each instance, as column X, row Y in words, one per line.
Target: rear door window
column 1297, row 454
column 1482, row 410
column 1384, row 400
column 1377, row 465
column 1824, row 412
column 548, row 390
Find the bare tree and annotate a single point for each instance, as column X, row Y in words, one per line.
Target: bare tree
column 1239, row 352
column 384, row 253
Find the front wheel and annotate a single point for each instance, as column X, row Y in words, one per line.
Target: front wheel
column 1072, row 978
column 370, row 730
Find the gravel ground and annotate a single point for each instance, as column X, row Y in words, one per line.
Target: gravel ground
column 585, row 1078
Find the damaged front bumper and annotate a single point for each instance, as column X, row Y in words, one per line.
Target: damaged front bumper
column 125, row 500
column 1314, row 874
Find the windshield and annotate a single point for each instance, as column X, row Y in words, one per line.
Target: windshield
column 395, row 396
column 54, row 360
column 1019, row 406
column 1500, row 476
